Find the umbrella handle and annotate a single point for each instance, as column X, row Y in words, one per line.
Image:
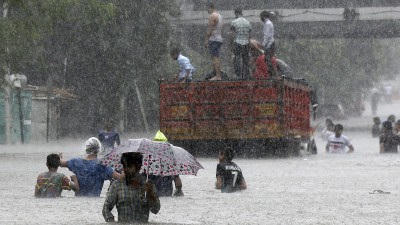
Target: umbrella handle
column 147, row 174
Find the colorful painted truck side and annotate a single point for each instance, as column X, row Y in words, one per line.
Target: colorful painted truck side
column 257, row 118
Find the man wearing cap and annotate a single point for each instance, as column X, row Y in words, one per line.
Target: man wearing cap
column 90, row 173
column 164, row 185
column 134, row 197
column 240, row 30
column 388, row 141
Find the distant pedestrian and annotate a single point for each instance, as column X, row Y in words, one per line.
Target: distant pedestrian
column 388, row 141
column 50, row 184
column 214, row 39
column 392, row 119
column 268, row 41
column 388, row 93
column 241, row 31
column 186, row 69
column 229, row 175
column 376, row 128
column 337, row 143
column 375, row 95
column 108, row 138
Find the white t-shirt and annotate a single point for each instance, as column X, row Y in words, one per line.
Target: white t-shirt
column 184, row 64
column 268, row 33
column 338, row 144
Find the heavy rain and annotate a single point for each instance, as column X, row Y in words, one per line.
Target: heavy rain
column 73, row 68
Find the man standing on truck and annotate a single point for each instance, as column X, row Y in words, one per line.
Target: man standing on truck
column 240, row 30
column 214, row 39
column 186, row 69
column 337, row 143
column 268, row 41
column 229, row 175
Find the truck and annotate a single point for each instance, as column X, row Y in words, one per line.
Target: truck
column 258, row 118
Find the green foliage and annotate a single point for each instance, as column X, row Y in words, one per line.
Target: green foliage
column 97, row 48
column 340, row 69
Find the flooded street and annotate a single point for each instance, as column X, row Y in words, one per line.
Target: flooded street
column 206, row 73
column 312, row 189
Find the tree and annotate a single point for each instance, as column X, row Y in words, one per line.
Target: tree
column 98, row 48
column 341, row 69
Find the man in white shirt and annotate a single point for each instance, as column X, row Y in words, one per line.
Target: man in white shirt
column 185, row 67
column 337, row 143
column 268, row 41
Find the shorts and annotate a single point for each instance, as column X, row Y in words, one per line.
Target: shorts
column 215, row 48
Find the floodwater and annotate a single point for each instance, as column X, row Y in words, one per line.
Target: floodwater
column 311, row 189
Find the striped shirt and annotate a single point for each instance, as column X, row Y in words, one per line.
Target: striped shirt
column 242, row 28
column 132, row 205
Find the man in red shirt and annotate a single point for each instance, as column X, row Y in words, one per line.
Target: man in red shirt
column 260, row 71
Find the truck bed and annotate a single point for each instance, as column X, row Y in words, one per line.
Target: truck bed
column 235, row 110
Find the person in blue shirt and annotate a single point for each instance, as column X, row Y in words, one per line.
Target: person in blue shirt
column 186, row 69
column 90, row 173
column 109, row 137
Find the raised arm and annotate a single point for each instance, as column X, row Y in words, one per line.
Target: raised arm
column 118, row 176
column 74, row 183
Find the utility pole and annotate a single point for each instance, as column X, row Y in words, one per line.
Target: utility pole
column 146, row 125
column 7, row 96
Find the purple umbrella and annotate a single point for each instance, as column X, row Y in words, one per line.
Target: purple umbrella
column 159, row 158
column 186, row 163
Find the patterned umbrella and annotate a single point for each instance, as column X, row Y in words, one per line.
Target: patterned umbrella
column 186, row 163
column 158, row 158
